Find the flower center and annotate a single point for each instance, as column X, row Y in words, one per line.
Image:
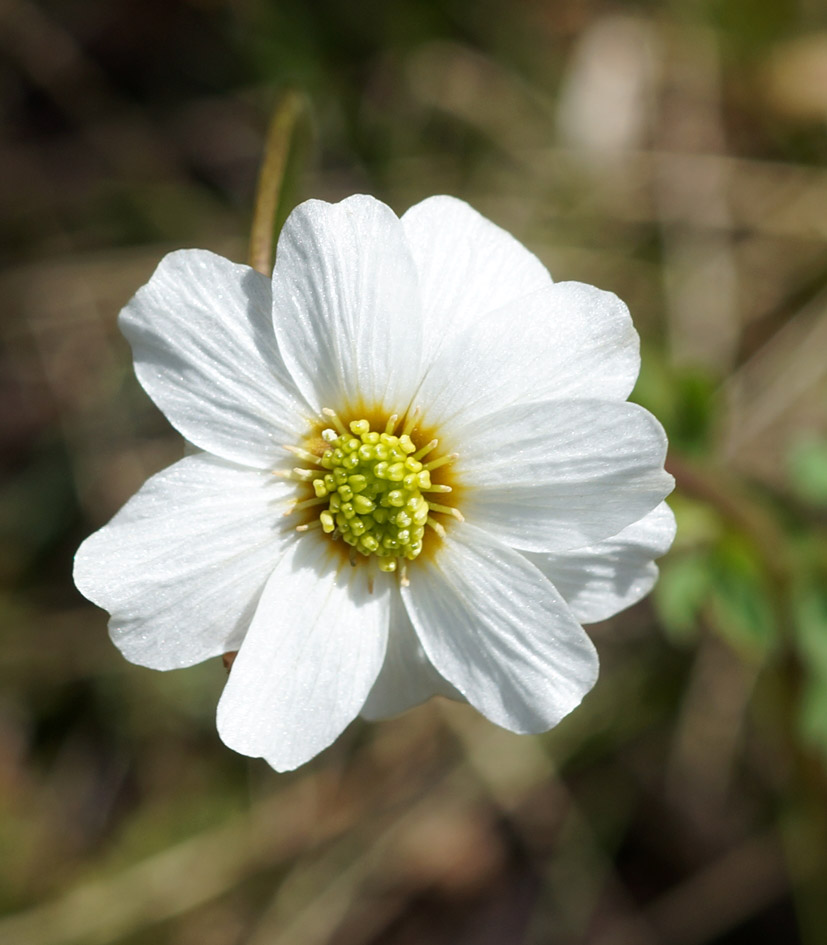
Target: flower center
column 374, row 482
column 371, row 484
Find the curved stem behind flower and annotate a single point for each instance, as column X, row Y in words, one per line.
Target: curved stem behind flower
column 270, row 179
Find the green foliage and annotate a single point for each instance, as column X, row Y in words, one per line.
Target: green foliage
column 683, row 399
column 750, row 25
column 681, row 593
column 810, row 616
column 740, row 601
column 721, row 585
column 807, row 462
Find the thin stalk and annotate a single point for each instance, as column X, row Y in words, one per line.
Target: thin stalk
column 271, row 179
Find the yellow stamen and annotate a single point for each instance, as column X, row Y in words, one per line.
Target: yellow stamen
column 411, row 420
column 334, row 418
column 446, row 510
column 304, row 455
column 436, row 463
column 436, row 526
column 306, row 504
column 316, row 523
column 426, row 449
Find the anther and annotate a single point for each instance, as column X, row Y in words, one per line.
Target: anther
column 446, row 510
column 304, row 455
column 306, row 504
column 426, row 449
column 309, row 526
column 334, row 417
column 411, row 420
column 358, row 427
column 436, row 526
column 372, row 487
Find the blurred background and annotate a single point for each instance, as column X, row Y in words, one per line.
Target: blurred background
column 673, row 153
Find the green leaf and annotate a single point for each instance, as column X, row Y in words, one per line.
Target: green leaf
column 741, row 608
column 807, row 462
column 812, row 714
column 810, row 620
column 680, row 594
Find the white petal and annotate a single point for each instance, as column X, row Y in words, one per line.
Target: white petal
column 407, row 677
column 205, row 352
column 499, row 631
column 346, row 305
column 603, row 579
column 467, row 266
column 568, row 341
column 183, row 563
column 309, row 659
column 560, row 475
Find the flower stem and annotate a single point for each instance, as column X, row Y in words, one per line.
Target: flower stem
column 270, row 180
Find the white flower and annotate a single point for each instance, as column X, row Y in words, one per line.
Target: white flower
column 358, row 565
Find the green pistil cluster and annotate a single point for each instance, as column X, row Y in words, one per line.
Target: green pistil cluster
column 375, row 485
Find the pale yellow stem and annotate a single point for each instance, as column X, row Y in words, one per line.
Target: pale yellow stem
column 270, row 180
